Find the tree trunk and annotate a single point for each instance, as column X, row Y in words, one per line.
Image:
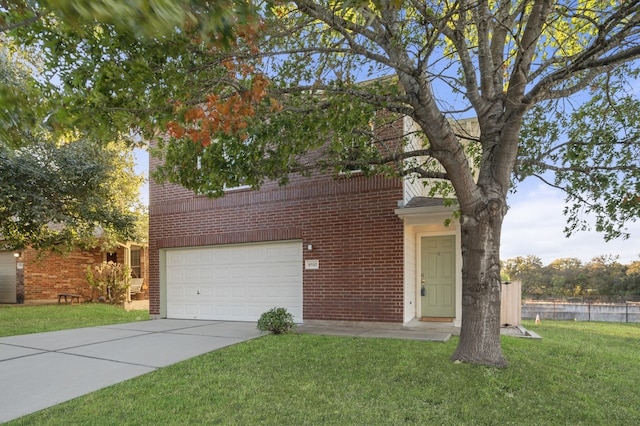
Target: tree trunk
column 481, row 287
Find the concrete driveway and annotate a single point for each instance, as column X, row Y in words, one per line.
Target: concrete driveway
column 44, row 369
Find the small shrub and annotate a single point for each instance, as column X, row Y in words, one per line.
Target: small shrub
column 277, row 321
column 110, row 280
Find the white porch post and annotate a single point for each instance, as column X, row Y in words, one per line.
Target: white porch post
column 127, row 262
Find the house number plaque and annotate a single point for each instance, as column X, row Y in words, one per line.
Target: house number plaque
column 311, row 264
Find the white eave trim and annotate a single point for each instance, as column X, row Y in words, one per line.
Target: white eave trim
column 424, row 211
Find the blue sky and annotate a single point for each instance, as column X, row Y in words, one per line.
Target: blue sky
column 533, row 226
column 142, row 168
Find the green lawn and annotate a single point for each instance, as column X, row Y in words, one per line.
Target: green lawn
column 16, row 320
column 578, row 374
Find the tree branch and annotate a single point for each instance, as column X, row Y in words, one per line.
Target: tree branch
column 24, row 23
column 593, row 57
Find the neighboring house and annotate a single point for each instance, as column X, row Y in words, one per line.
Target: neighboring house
column 28, row 278
column 357, row 248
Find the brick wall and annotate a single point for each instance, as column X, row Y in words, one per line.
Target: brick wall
column 51, row 274
column 44, row 277
column 351, row 224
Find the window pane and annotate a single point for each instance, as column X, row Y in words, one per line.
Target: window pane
column 135, row 264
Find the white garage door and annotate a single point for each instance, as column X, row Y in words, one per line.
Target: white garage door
column 234, row 282
column 7, row 277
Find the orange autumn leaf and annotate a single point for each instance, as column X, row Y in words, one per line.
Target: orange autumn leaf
column 225, row 115
column 175, row 130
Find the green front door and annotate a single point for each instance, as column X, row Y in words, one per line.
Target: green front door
column 438, row 277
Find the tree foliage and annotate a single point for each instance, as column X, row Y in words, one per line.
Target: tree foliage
column 20, row 99
column 58, row 187
column 527, row 270
column 601, row 277
column 145, row 18
column 590, row 151
column 285, row 93
column 56, row 196
column 198, row 89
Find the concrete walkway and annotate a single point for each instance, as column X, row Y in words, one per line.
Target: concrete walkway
column 44, row 369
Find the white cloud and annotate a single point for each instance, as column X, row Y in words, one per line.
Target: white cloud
column 535, row 225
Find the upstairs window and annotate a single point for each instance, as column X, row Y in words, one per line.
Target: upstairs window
column 215, row 157
column 355, row 154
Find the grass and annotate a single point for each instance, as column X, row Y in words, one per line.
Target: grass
column 578, row 374
column 15, row 320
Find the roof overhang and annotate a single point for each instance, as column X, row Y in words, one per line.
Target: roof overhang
column 421, row 210
column 129, row 244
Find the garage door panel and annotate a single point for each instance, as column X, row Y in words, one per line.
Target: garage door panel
column 175, row 258
column 7, row 278
column 221, row 274
column 207, row 309
column 181, row 310
column 275, row 253
column 238, row 273
column 176, row 293
column 206, row 257
column 239, row 311
column 284, row 292
column 256, row 273
column 288, row 272
column 174, row 310
column 222, row 291
column 174, row 273
column 191, row 309
column 271, row 272
column 191, row 274
column 206, row 272
column 205, row 291
column 234, row 282
column 220, row 311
